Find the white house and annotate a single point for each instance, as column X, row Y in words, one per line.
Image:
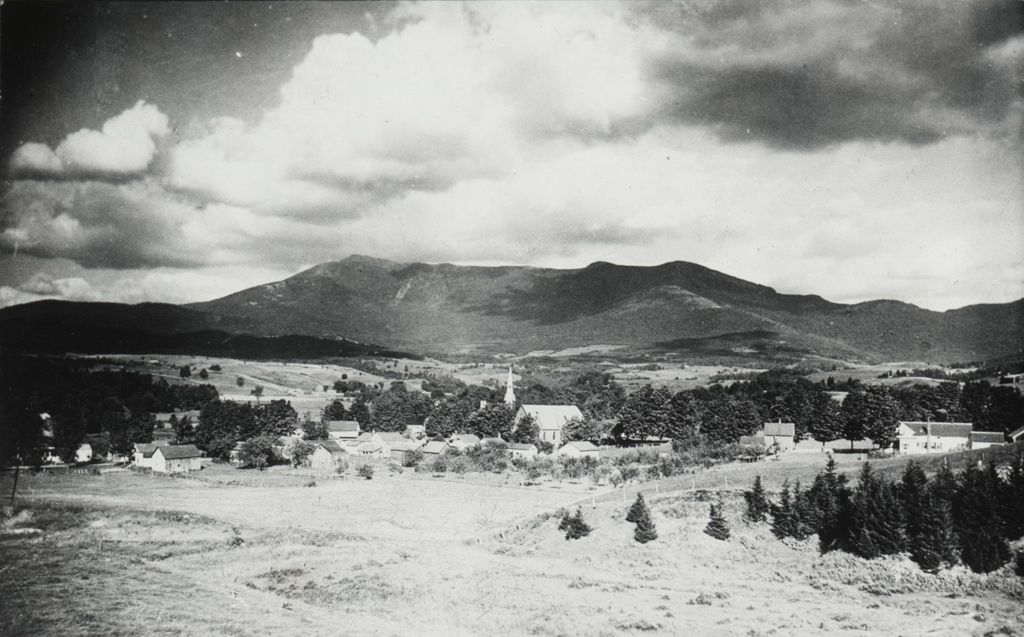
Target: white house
column 550, row 419
column 917, row 437
column 779, row 434
column 343, row 429
column 326, row 454
column 83, row 453
column 986, row 439
column 177, row 459
column 580, row 449
column 142, row 454
column 521, row 450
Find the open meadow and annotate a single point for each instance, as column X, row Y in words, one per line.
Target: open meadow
column 130, row 553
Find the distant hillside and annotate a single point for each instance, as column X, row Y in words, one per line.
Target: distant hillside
column 444, row 308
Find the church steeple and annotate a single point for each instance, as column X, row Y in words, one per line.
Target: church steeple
column 510, row 394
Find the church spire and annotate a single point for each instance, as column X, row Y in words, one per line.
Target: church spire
column 510, row 394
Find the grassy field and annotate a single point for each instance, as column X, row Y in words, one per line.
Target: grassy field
column 129, row 553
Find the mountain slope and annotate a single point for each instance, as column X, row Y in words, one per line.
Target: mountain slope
column 444, row 307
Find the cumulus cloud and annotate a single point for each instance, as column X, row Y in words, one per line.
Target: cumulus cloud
column 124, row 147
column 824, row 146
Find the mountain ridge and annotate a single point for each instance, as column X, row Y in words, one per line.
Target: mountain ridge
column 675, row 306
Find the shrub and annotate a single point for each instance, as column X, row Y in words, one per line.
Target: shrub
column 365, row 471
column 258, row 453
column 629, row 473
column 299, row 452
column 340, row 467
column 413, row 458
column 717, row 527
column 574, row 525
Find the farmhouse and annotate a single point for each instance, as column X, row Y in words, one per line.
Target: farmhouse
column 779, row 434
column 142, row 454
column 177, row 459
column 343, row 429
column 521, row 450
column 326, row 454
column 550, row 419
column 986, row 439
column 917, row 437
column 580, row 449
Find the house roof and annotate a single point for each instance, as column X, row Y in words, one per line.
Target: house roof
column 987, row 436
column 939, row 429
column 435, row 446
column 145, row 447
column 176, row 452
column 552, row 416
column 521, row 446
column 582, row 445
column 779, row 429
column 918, row 428
column 1016, row 433
column 342, row 425
column 468, row 439
column 330, row 446
column 405, row 445
column 370, row 447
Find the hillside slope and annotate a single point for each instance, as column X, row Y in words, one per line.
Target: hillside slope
column 444, row 307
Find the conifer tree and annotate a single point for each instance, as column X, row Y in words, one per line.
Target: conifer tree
column 758, row 506
column 644, row 531
column 933, row 542
column 832, row 501
column 574, row 525
column 976, row 519
column 634, row 510
column 782, row 514
column 805, row 513
column 717, row 527
column 912, row 492
column 876, row 521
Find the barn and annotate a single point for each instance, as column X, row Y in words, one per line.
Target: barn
column 177, row 459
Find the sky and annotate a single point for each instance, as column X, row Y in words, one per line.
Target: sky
column 178, row 152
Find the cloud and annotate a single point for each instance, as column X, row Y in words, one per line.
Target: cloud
column 808, row 75
column 125, row 147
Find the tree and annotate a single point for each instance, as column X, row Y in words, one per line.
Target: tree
column 257, row 391
column 876, row 525
column 574, row 525
column 976, row 516
column 314, row 429
column 68, row 432
column 644, row 413
column 185, row 371
column 717, row 527
column 758, row 506
column 831, row 497
column 587, row 429
column 299, row 451
column 933, row 543
column 871, row 413
column 365, row 471
column 204, row 374
column 526, row 430
column 639, row 514
column 494, row 420
column 335, row 410
column 826, row 423
column 258, row 453
column 240, row 381
column 184, row 432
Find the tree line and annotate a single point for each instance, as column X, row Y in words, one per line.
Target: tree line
column 968, row 517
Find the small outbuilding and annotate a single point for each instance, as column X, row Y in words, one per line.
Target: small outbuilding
column 177, row 459
column 522, row 450
column 986, row 439
column 435, row 448
column 142, row 454
column 781, row 435
column 83, row 453
column 326, row 454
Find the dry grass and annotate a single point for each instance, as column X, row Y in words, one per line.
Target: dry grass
column 131, row 554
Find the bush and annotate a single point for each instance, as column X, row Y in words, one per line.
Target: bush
column 258, row 453
column 365, row 471
column 412, row 458
column 574, row 525
column 340, row 467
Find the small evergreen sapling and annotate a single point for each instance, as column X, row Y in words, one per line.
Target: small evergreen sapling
column 574, row 525
column 758, row 506
column 717, row 527
column 641, row 516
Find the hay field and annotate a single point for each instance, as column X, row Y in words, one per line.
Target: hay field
column 131, row 553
